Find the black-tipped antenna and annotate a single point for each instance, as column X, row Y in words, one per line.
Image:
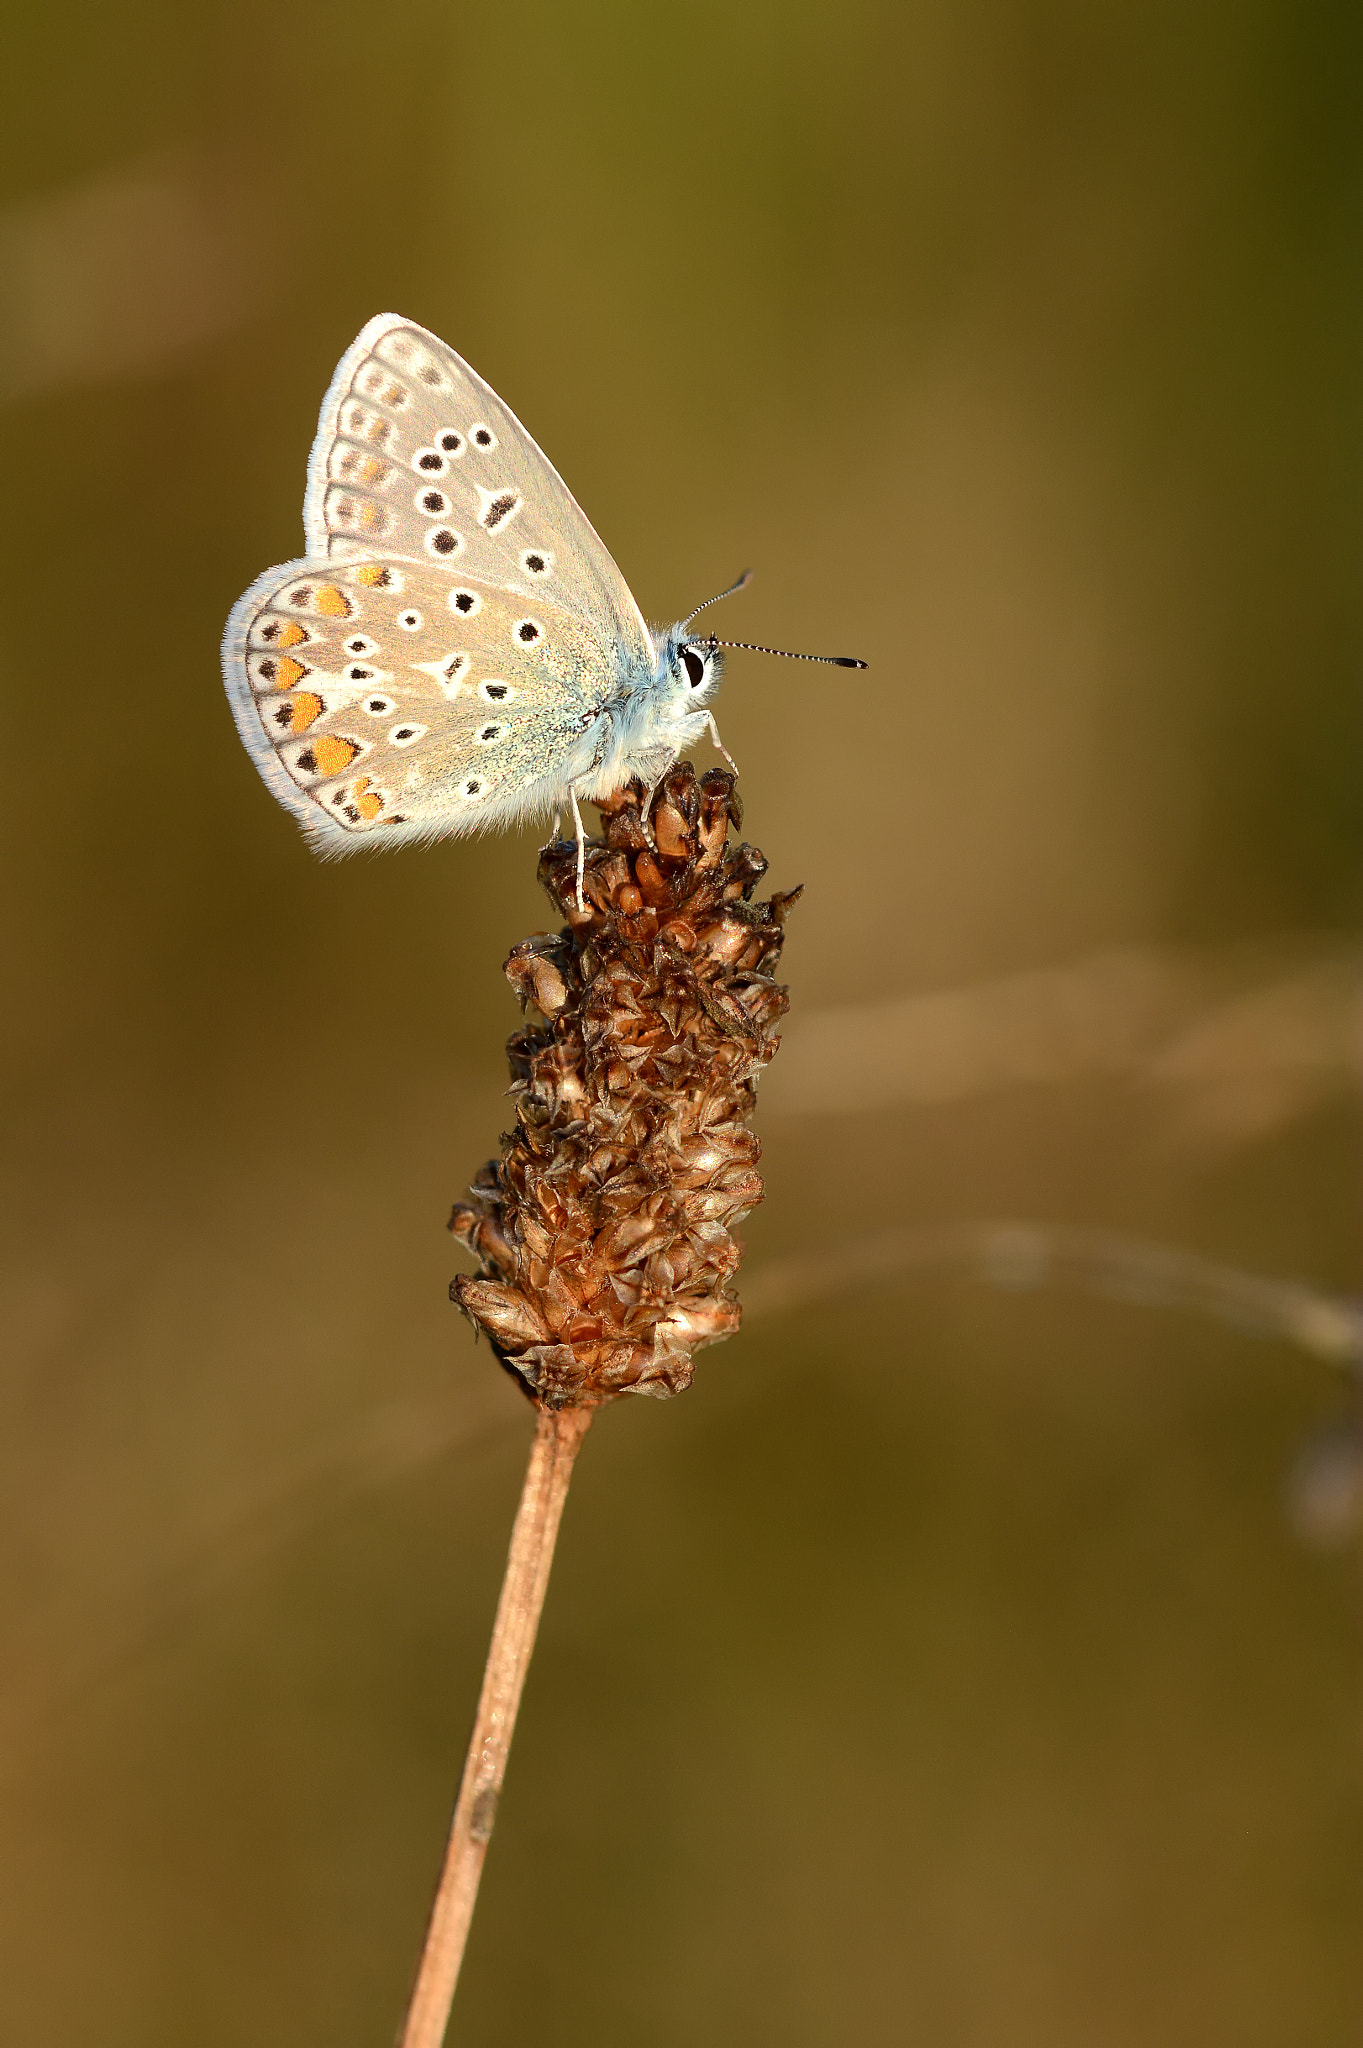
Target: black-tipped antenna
column 836, row 660
column 744, row 580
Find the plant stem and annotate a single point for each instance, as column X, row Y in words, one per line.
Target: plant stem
column 558, row 1438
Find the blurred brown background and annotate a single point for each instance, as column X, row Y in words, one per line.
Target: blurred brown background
column 950, row 1665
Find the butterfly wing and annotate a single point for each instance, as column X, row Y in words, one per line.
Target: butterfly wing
column 415, row 455
column 386, row 699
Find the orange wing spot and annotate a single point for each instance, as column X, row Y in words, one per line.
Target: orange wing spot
column 370, row 517
column 290, row 635
column 373, row 574
column 305, row 707
column 374, row 471
column 367, row 800
column 288, row 672
column 333, row 602
column 332, row 753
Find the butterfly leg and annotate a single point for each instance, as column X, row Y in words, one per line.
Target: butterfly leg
column 581, row 845
column 714, row 734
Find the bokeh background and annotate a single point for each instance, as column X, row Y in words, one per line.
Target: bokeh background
column 958, row 1663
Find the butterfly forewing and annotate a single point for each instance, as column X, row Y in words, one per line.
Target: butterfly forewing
column 417, row 456
column 383, row 697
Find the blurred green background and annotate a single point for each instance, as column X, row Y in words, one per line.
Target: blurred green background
column 945, row 1667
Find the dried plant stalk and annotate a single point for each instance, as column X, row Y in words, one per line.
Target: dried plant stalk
column 604, row 1233
column 558, row 1437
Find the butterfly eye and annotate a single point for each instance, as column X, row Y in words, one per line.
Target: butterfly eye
column 694, row 666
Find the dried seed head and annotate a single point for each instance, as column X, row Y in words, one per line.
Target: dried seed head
column 604, row 1231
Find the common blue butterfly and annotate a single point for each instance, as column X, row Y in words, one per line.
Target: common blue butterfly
column 456, row 650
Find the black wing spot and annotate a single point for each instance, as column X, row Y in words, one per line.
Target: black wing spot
column 443, row 541
column 484, row 437
column 528, row 631
column 464, row 601
column 496, row 691
column 451, row 443
column 501, row 509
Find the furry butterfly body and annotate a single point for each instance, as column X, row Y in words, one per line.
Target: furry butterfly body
column 457, row 650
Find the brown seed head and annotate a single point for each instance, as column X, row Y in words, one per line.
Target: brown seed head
column 604, row 1231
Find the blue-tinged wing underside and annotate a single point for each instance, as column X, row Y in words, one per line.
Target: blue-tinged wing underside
column 431, row 665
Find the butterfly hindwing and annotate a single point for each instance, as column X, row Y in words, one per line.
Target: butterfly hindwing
column 383, row 698
column 417, row 456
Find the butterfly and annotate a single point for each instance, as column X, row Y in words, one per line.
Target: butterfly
column 456, row 650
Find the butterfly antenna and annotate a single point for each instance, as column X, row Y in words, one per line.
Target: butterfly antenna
column 836, row 660
column 744, row 580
